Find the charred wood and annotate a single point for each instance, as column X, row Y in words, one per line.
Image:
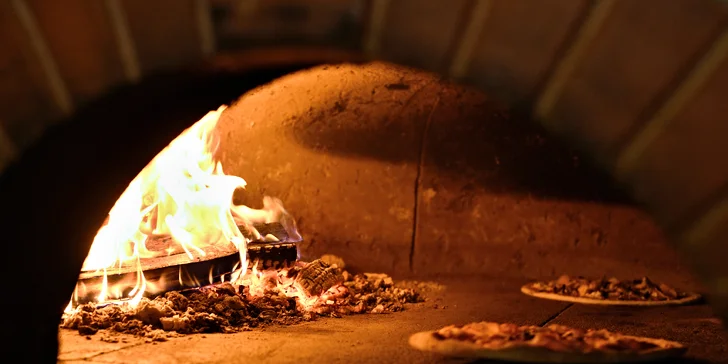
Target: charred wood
column 166, row 245
column 176, row 272
column 317, row 277
column 272, row 255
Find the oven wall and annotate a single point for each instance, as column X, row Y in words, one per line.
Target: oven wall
column 637, row 85
column 396, row 170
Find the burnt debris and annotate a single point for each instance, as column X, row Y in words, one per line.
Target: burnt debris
column 225, row 308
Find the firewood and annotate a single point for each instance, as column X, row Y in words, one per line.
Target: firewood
column 179, row 272
column 176, row 271
column 166, row 245
column 276, row 229
column 272, row 255
column 317, row 277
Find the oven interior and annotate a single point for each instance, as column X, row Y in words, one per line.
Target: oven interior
column 397, row 171
column 472, row 147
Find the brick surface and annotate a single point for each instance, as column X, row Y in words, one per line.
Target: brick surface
column 686, row 164
column 519, row 42
column 498, row 196
column 284, row 22
column 705, row 243
column 410, row 36
column 74, row 347
column 341, row 147
column 694, row 326
column 81, row 41
column 383, row 338
column 366, row 338
column 164, row 32
column 642, row 50
column 338, row 145
column 26, row 104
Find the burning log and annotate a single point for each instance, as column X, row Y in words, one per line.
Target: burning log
column 271, row 232
column 317, row 277
column 172, row 272
column 272, row 255
column 178, row 271
column 274, row 229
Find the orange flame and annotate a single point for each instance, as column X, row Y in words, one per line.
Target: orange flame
column 183, row 193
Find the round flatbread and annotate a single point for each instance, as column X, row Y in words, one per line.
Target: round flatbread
column 638, row 292
column 552, row 344
column 691, row 298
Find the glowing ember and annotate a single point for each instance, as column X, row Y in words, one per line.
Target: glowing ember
column 265, row 298
column 182, row 193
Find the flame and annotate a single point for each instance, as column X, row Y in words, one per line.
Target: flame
column 183, row 193
column 260, row 282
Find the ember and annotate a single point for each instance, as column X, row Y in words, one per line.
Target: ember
column 227, row 307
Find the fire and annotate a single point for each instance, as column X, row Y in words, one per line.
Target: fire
column 183, row 193
column 258, row 282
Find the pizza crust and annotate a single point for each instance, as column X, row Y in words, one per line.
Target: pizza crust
column 526, row 289
column 427, row 341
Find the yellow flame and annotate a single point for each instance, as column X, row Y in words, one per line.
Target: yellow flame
column 183, row 193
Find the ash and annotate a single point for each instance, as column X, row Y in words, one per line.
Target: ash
column 227, row 308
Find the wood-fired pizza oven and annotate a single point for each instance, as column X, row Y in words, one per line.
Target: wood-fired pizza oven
column 477, row 180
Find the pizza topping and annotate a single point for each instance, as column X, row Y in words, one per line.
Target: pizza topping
column 491, row 335
column 612, row 289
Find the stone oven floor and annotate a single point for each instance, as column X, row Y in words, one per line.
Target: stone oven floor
column 383, row 338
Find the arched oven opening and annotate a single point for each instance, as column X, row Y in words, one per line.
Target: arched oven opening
column 381, row 169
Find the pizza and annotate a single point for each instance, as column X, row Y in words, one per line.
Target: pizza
column 637, row 292
column 550, row 344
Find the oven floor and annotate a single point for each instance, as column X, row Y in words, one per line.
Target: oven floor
column 383, row 338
